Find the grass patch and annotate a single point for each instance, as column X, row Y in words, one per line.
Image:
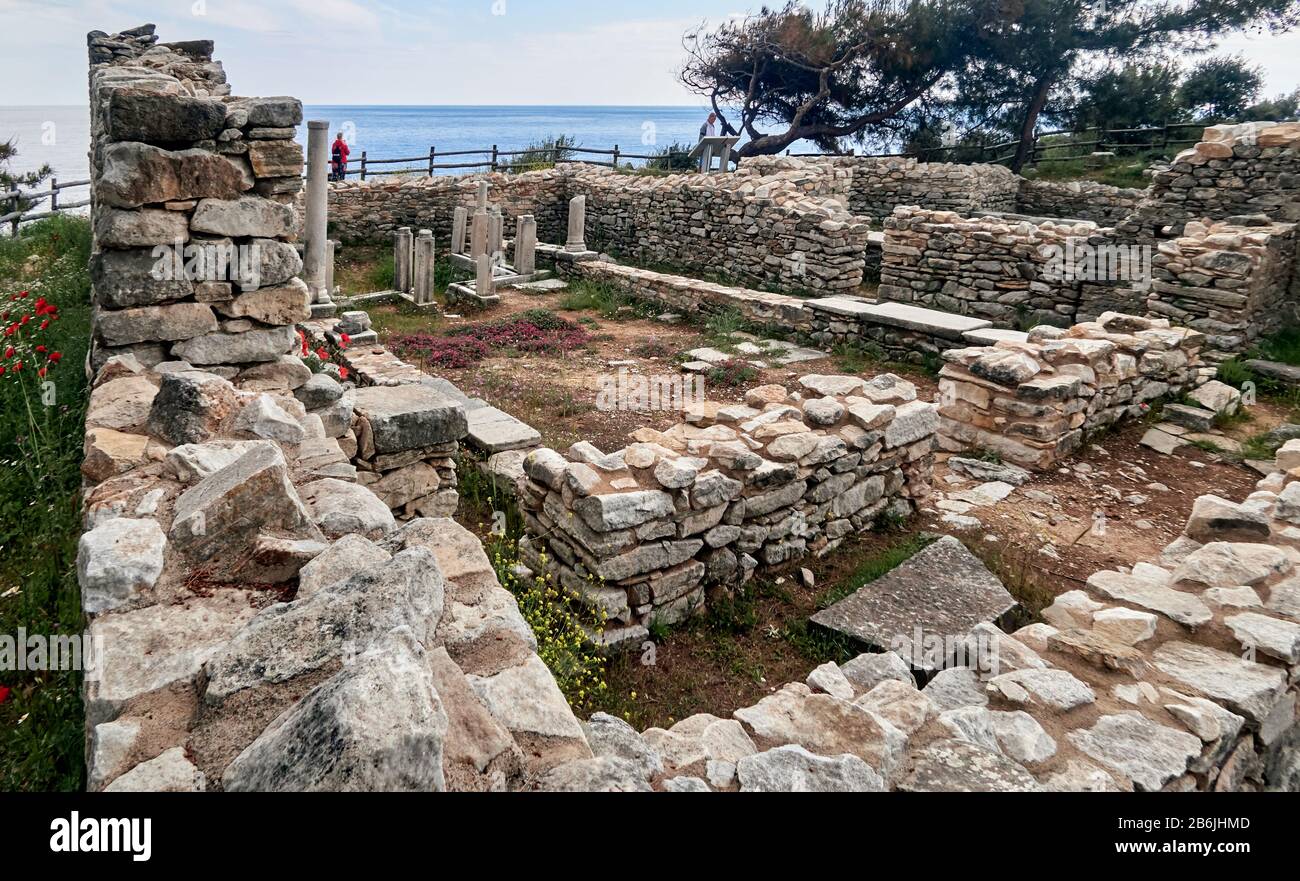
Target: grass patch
column 733, row 373
column 858, row 358
column 875, row 567
column 606, row 300
column 1283, row 347
column 41, row 720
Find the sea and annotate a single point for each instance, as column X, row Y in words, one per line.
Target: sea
column 60, row 135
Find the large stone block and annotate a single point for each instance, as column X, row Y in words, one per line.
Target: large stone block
column 275, row 158
column 407, row 417
column 177, row 321
column 136, row 174
column 151, row 117
column 217, row 522
column 148, row 228
column 123, row 279
column 251, row 347
column 284, row 305
column 248, row 216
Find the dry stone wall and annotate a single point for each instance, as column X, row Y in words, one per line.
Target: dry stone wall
column 1236, row 170
column 1008, row 271
column 1034, row 402
column 773, row 226
column 878, row 185
column 192, row 205
column 645, row 532
column 1081, row 200
column 1235, row 282
column 371, row 211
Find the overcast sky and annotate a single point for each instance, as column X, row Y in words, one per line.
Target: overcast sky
column 417, row 51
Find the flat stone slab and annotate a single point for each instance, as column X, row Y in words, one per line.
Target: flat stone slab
column 409, row 417
column 1161, row 442
column 851, row 307
column 944, row 591
column 1274, row 370
column 991, row 336
column 547, row 286
column 931, row 321
column 495, row 431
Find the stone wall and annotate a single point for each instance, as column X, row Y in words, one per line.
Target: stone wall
column 644, row 532
column 371, row 211
column 879, row 185
column 192, row 204
column 1235, row 282
column 1082, row 200
column 1034, row 403
column 1252, row 168
column 770, row 226
column 1009, row 271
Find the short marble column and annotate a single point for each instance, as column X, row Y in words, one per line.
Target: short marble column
column 526, row 245
column 496, row 237
column 325, row 294
column 479, row 230
column 402, row 242
column 482, row 195
column 424, row 265
column 317, row 220
column 577, row 242
column 459, row 222
column 484, row 283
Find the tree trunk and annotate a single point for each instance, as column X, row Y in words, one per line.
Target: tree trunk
column 1024, row 150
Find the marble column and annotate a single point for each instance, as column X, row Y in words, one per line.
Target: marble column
column 459, row 222
column 317, row 199
column 482, row 195
column 496, row 237
column 484, row 284
column 402, row 242
column 526, row 245
column 424, row 266
column 479, row 231
column 577, row 242
column 325, row 294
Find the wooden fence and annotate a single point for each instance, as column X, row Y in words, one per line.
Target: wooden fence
column 22, row 204
column 496, row 159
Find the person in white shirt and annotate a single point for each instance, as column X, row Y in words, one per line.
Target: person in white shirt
column 710, row 127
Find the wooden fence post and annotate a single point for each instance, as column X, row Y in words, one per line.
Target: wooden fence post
column 433, row 152
column 363, row 164
column 495, row 155
column 616, row 156
column 54, row 195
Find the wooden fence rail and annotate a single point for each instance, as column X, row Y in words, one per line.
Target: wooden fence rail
column 20, row 214
column 495, row 159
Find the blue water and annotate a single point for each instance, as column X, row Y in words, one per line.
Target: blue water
column 408, row 132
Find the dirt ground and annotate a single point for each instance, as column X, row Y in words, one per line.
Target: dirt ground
column 1041, row 541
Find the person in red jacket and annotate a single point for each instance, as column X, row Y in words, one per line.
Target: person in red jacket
column 339, row 163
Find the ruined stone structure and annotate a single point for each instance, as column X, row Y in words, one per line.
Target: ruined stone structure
column 1235, row 281
column 644, row 531
column 1235, row 170
column 182, row 172
column 1079, row 199
column 1034, row 402
column 267, row 623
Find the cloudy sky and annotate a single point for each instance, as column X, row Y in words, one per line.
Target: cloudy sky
column 417, row 51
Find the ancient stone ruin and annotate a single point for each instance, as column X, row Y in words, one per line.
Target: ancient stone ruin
column 269, row 554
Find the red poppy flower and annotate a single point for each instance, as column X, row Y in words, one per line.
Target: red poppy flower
column 5, row 691
column 56, row 357
column 26, row 318
column 22, row 295
column 343, row 373
column 18, row 365
column 41, row 349
column 347, row 340
column 41, row 373
column 9, row 352
column 2, row 371
column 45, row 324
column 322, row 354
